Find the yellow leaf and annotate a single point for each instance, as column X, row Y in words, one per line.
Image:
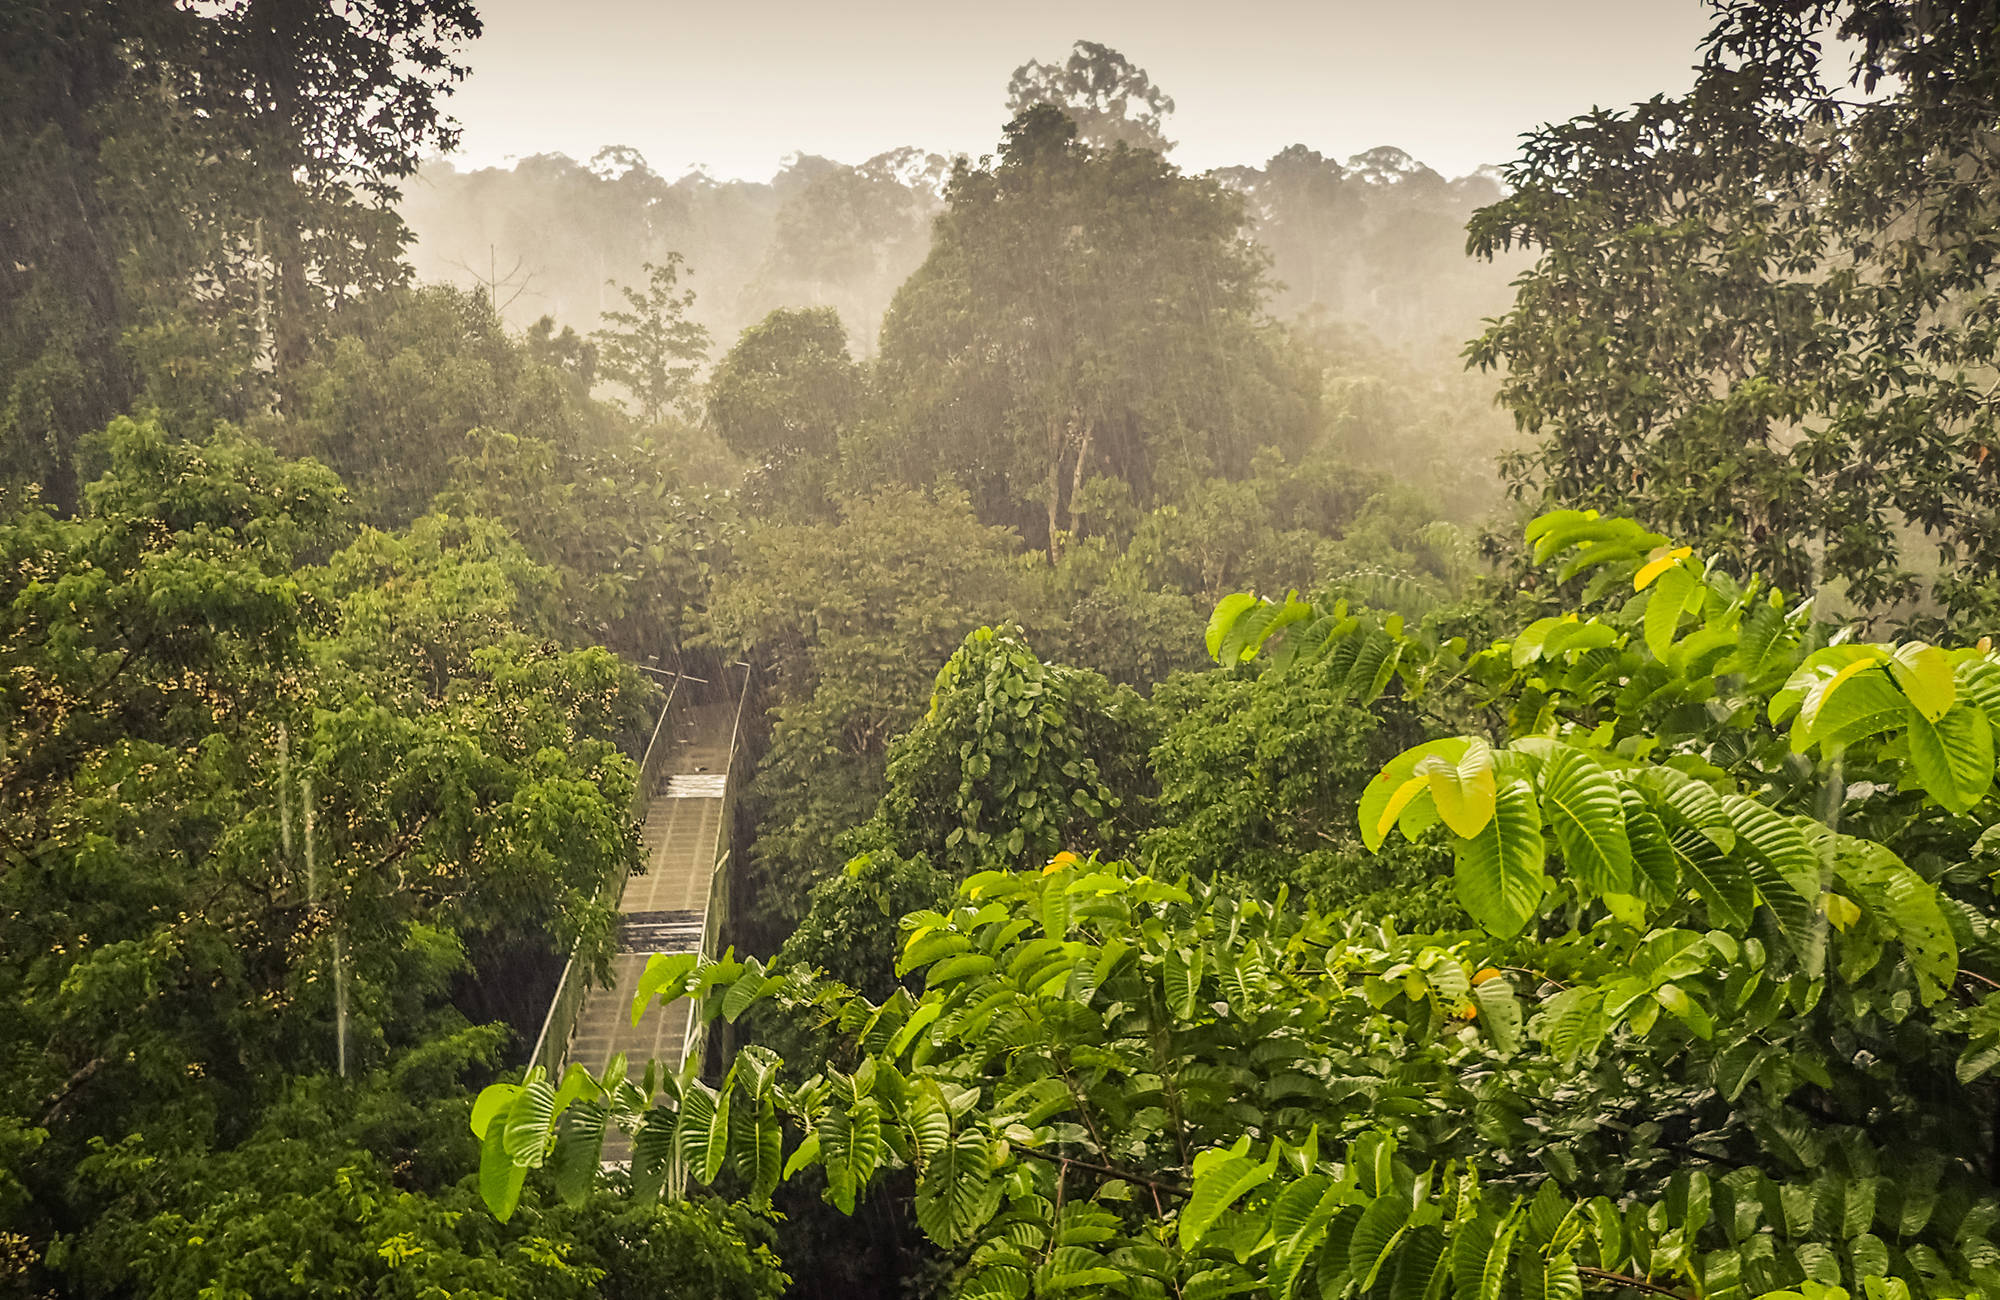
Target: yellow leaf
column 1841, row 911
column 1400, row 800
column 1659, row 565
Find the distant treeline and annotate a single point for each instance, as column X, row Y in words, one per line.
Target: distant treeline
column 1377, row 241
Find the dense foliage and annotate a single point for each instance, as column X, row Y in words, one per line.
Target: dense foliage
column 1624, row 923
column 1684, row 1044
column 1764, row 309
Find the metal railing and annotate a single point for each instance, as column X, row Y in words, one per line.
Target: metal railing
column 716, row 907
column 574, row 986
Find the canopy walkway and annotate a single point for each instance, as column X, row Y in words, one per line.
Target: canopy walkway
column 674, row 903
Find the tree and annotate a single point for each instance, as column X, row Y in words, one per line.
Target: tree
column 845, row 622
column 781, row 399
column 274, row 792
column 192, row 191
column 1111, row 99
column 1014, row 761
column 634, row 547
column 847, row 239
column 655, row 352
column 363, row 1187
column 1035, row 349
column 1761, row 314
column 398, row 389
column 1713, row 1032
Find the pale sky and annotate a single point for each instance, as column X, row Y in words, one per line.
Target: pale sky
column 737, row 86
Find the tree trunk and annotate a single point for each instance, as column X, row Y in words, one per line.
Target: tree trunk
column 1054, row 485
column 1076, row 475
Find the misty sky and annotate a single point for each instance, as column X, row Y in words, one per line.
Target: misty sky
column 737, row 84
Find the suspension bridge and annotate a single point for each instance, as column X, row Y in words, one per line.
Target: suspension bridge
column 677, row 901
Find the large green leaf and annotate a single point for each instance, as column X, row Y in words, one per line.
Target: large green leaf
column 1216, row 1188
column 579, row 1148
column 1498, row 876
column 1381, row 1226
column 665, row 975
column 1924, row 673
column 957, row 1193
column 1480, row 1253
column 1664, row 608
column 1395, row 792
column 1851, row 709
column 1299, row 1223
column 756, row 1148
column 1911, row 906
column 1952, row 755
column 1788, row 871
column 850, row 1146
column 1655, row 872
column 1721, row 880
column 500, row 1179
column 1227, row 611
column 1581, row 803
column 1463, row 791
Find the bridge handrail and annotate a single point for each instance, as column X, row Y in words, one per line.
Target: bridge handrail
column 574, row 986
column 716, row 904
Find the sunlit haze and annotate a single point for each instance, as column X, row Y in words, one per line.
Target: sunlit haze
column 736, row 87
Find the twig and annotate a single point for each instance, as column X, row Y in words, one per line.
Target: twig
column 1626, row 1280
column 1171, row 1189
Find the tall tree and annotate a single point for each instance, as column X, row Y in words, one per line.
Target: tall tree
column 654, row 350
column 189, row 189
column 1085, row 313
column 1764, row 312
column 1110, row 98
column 782, row 398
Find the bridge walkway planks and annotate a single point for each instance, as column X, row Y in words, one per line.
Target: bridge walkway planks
column 665, row 906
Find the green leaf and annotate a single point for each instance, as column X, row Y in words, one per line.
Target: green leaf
column 1215, row 1190
column 500, row 1179
column 578, row 1152
column 1392, row 794
column 1480, row 1252
column 957, row 1193
column 1299, row 1222
column 1759, row 642
column 1499, row 1014
column 1381, row 1227
column 1227, row 611
column 494, row 1099
column 1793, row 878
column 1952, row 755
column 850, row 1146
column 665, row 972
column 1910, row 904
column 1571, row 1024
column 1528, row 645
column 529, row 1122
column 1865, row 704
column 1422, row 1266
column 1463, row 791
column 1655, row 872
column 1498, row 876
column 1183, row 978
column 1723, row 883
column 1664, row 608
column 1924, row 673
column 745, row 991
column 1581, row 803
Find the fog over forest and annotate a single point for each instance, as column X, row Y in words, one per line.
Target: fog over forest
column 1041, row 723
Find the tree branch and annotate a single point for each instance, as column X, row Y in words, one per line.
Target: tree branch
column 1626, row 1280
column 1171, row 1189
